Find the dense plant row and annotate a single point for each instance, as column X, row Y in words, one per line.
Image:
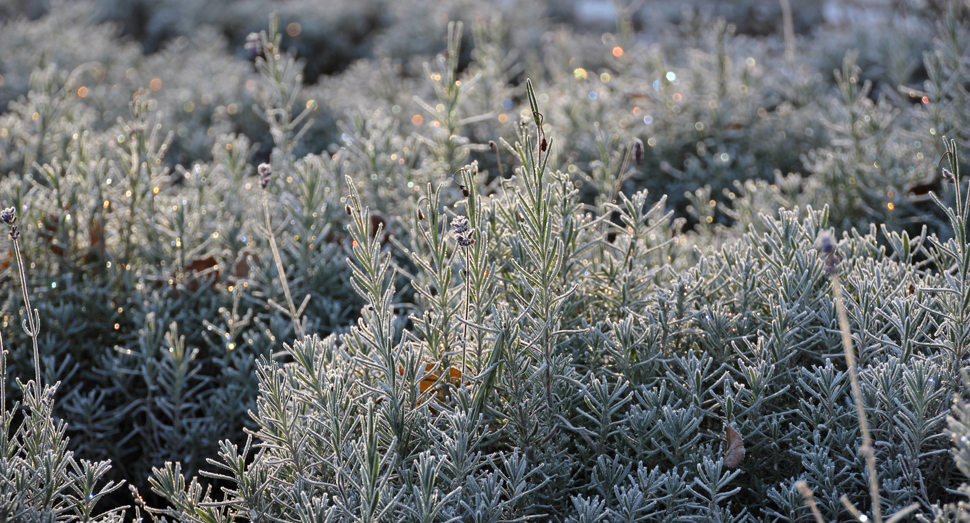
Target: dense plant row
column 598, row 337
column 591, row 367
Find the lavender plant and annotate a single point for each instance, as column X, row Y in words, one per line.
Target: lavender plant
column 522, row 332
column 41, row 479
column 551, row 380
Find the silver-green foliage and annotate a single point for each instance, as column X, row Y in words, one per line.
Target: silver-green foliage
column 40, row 479
column 591, row 368
column 594, row 348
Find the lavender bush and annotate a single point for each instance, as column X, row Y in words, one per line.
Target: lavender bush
column 425, row 288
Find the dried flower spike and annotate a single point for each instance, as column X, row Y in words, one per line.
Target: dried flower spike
column 637, row 150
column 253, row 45
column 948, row 176
column 825, row 243
column 460, row 225
column 491, row 145
column 8, row 215
column 265, row 171
column 463, row 233
column 831, row 262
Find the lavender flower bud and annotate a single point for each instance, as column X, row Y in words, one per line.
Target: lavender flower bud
column 463, row 233
column 948, row 176
column 8, row 215
column 253, row 45
column 826, row 243
column 460, row 225
column 831, row 261
column 637, row 150
column 14, row 233
column 265, row 171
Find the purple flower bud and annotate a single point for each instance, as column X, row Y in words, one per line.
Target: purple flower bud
column 460, row 224
column 831, row 262
column 826, row 243
column 948, row 176
column 265, row 171
column 253, row 45
column 463, row 233
column 8, row 215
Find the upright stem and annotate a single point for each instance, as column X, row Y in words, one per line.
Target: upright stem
column 279, row 268
column 30, row 317
column 866, row 449
column 809, row 496
column 3, row 388
column 464, row 333
column 789, row 29
column 618, row 185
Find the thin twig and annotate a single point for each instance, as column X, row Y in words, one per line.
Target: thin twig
column 464, row 333
column 620, row 176
column 3, row 386
column 809, row 496
column 789, row 28
column 866, row 449
column 298, row 325
column 31, row 327
column 498, row 158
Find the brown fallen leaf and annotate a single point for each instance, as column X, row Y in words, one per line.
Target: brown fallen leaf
column 735, row 447
column 245, row 262
column 199, row 270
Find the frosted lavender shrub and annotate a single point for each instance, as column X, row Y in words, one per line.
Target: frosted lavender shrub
column 482, row 261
